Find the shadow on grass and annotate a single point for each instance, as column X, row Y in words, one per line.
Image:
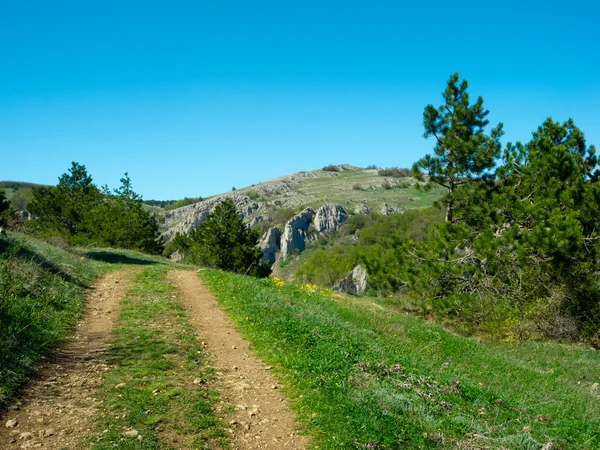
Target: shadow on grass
column 116, row 258
column 45, row 263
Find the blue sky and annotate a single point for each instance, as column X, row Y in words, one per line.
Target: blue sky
column 193, row 98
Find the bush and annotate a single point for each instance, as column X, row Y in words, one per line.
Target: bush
column 181, row 203
column 395, row 172
column 331, row 168
column 357, row 187
column 253, row 195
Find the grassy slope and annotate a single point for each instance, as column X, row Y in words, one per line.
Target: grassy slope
column 365, row 376
column 340, row 190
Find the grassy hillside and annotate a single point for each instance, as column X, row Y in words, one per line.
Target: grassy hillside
column 365, row 376
column 348, row 187
column 273, row 202
column 18, row 192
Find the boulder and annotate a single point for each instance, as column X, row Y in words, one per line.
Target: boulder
column 329, row 218
column 176, row 256
column 270, row 245
column 354, row 283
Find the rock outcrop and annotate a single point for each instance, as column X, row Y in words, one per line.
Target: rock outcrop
column 329, row 218
column 354, row 283
column 294, row 233
column 271, row 245
column 386, row 209
column 361, row 209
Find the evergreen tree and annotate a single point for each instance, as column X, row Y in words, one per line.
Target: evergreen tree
column 463, row 154
column 63, row 207
column 4, row 203
column 224, row 242
column 5, row 208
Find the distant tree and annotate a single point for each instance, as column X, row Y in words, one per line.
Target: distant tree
column 224, row 242
column 63, row 207
column 463, row 154
column 4, row 203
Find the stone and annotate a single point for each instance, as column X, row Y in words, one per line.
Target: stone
column 176, row 256
column 354, row 283
column 386, row 209
column 361, row 209
column 26, row 435
column 131, row 433
column 270, row 245
column 11, row 423
column 329, row 218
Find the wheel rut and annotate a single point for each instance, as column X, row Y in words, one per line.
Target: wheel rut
column 261, row 419
column 56, row 411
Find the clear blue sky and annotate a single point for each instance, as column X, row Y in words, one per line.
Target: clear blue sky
column 192, row 98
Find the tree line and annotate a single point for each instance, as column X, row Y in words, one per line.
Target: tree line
column 87, row 215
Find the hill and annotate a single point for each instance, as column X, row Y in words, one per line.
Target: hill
column 18, row 192
column 274, row 202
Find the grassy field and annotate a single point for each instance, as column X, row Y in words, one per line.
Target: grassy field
column 161, row 372
column 364, row 376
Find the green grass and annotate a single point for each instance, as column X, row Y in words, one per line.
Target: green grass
column 155, row 360
column 362, row 375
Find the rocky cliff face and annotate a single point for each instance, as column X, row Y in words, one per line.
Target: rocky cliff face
column 294, row 232
column 329, row 218
column 270, row 245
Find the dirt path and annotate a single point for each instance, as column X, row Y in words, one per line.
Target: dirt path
column 261, row 419
column 56, row 411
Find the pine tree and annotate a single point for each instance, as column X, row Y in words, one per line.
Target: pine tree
column 224, row 242
column 463, row 154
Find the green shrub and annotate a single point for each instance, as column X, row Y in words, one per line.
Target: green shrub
column 395, row 172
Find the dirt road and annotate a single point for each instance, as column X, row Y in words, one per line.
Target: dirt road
column 261, row 419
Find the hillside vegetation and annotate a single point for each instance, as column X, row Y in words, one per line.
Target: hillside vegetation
column 363, row 374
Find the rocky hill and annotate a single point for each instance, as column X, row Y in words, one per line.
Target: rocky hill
column 296, row 208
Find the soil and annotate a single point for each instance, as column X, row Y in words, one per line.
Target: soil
column 57, row 409
column 261, row 419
